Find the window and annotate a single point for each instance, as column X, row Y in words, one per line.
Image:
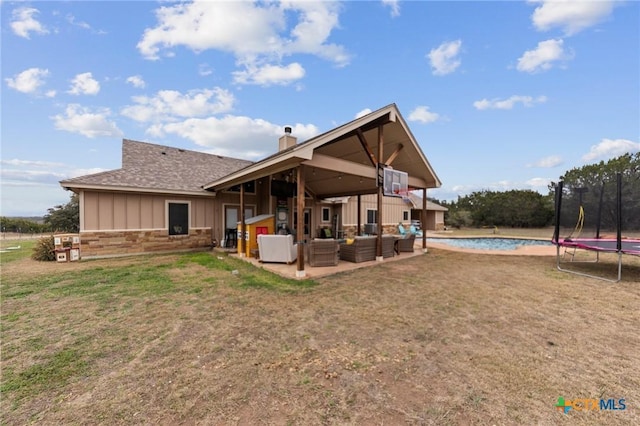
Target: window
column 372, row 216
column 405, row 215
column 325, row 214
column 178, row 214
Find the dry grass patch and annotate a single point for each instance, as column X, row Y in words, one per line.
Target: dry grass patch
column 445, row 338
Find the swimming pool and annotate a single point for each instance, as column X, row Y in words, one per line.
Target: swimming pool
column 489, row 243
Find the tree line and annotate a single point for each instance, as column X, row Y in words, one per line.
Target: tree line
column 585, row 186
column 581, row 185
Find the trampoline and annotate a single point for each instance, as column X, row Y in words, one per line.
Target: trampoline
column 603, row 245
column 602, row 218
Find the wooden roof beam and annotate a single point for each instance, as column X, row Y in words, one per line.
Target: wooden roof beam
column 393, row 155
column 367, row 149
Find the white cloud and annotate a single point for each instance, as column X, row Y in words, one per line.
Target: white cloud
column 28, row 81
column 543, row 56
column 394, row 5
column 508, row 103
column 23, row 22
column 30, row 187
column 610, row 148
column 41, row 176
column 269, row 74
column 257, row 34
column 30, row 163
column 571, row 16
column 363, row 112
column 84, row 84
column 235, row 136
column 423, row 115
column 548, row 162
column 204, row 70
column 444, row 59
column 538, row 183
column 169, row 105
column 77, row 119
column 136, row 81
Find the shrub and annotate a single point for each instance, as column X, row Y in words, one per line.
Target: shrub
column 44, row 249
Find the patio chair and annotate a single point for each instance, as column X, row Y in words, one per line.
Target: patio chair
column 405, row 245
column 323, row 252
column 388, row 245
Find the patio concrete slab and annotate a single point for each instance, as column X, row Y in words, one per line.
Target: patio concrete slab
column 290, row 271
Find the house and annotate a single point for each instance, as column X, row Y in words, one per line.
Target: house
column 435, row 213
column 169, row 199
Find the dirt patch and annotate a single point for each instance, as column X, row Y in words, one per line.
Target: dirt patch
column 443, row 338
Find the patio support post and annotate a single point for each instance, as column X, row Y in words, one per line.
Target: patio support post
column 423, row 220
column 243, row 224
column 380, row 195
column 300, row 229
column 358, row 231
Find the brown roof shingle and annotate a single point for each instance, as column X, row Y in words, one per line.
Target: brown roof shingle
column 157, row 167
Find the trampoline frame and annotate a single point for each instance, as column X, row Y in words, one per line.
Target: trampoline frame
column 575, row 244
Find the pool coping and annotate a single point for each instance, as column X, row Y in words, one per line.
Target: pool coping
column 519, row 251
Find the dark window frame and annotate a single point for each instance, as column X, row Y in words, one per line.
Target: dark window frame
column 328, row 215
column 178, row 217
column 374, row 214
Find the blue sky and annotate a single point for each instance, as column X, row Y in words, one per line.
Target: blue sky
column 500, row 95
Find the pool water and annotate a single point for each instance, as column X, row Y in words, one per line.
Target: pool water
column 489, row 243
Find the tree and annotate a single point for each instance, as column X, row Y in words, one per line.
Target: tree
column 20, row 225
column 65, row 218
column 515, row 208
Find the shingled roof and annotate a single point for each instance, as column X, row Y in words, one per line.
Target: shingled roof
column 416, row 201
column 157, row 168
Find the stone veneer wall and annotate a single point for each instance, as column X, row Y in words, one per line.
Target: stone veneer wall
column 119, row 243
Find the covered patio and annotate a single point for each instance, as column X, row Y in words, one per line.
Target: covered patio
column 291, row 271
column 346, row 161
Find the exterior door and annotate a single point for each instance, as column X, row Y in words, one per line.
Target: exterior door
column 307, row 223
column 231, row 219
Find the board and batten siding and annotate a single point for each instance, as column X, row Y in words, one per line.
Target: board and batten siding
column 105, row 211
column 392, row 209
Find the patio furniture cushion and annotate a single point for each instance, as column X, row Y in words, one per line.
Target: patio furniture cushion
column 323, row 252
column 415, row 231
column 277, row 248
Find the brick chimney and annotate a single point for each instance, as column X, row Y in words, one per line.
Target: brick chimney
column 286, row 140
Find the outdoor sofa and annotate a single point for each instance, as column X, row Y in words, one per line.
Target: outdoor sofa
column 363, row 248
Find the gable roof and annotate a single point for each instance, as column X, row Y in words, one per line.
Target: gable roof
column 347, row 153
column 416, row 201
column 156, row 168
